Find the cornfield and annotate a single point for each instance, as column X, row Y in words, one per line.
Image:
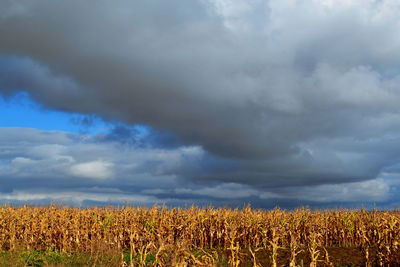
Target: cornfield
column 206, row 237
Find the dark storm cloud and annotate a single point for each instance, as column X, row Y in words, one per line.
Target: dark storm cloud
column 284, row 93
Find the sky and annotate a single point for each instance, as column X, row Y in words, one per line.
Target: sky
column 270, row 103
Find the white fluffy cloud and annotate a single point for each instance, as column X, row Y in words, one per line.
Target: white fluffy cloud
column 93, row 169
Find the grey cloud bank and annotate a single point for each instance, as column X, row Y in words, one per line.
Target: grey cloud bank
column 266, row 98
column 42, row 166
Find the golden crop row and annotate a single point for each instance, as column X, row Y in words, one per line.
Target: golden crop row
column 157, row 230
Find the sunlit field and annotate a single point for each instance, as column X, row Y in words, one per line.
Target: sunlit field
column 158, row 236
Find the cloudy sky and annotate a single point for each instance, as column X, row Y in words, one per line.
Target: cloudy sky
column 208, row 102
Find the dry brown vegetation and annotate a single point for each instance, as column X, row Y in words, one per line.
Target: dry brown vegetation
column 209, row 237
